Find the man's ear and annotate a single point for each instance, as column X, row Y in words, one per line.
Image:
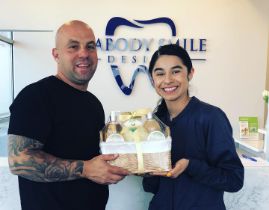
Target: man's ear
column 55, row 54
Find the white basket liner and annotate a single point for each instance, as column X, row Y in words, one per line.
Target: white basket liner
column 130, row 147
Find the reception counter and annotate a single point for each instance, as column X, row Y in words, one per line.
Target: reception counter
column 128, row 194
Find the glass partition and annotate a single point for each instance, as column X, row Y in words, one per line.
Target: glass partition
column 6, row 34
column 6, row 90
column 6, row 87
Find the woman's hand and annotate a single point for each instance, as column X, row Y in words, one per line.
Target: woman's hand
column 179, row 168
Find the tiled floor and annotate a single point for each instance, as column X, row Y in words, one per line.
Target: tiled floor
column 9, row 192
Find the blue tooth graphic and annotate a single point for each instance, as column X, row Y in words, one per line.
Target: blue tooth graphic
column 111, row 27
column 166, row 20
column 115, row 22
column 128, row 90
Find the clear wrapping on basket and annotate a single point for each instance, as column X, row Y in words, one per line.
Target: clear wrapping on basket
column 142, row 141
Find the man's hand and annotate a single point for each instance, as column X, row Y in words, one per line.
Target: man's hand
column 98, row 170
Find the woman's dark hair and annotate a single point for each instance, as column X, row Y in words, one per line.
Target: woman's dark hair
column 171, row 49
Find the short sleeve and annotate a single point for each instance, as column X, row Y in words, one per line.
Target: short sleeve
column 29, row 116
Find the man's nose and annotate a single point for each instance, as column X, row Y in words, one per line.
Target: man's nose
column 83, row 52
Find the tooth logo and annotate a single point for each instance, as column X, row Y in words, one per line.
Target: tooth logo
column 128, row 90
column 113, row 45
column 117, row 22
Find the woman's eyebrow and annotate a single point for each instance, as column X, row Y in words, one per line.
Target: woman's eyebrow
column 173, row 67
column 177, row 67
column 157, row 69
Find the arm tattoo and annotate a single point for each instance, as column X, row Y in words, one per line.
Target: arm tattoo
column 27, row 160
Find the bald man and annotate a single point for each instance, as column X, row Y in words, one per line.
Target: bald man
column 54, row 132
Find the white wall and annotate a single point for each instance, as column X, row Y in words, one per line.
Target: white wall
column 232, row 77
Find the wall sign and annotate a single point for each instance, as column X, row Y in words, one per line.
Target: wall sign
column 135, row 51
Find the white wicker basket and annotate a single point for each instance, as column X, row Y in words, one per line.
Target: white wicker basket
column 140, row 157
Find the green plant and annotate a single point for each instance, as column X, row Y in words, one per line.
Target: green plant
column 265, row 95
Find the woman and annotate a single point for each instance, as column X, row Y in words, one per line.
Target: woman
column 204, row 159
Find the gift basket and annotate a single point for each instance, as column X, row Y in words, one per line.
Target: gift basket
column 142, row 141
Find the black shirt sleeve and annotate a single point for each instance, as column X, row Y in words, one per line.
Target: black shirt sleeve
column 29, row 116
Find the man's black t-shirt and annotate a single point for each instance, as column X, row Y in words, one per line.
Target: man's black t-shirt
column 67, row 121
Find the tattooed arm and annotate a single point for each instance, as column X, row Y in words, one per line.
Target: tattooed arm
column 27, row 160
